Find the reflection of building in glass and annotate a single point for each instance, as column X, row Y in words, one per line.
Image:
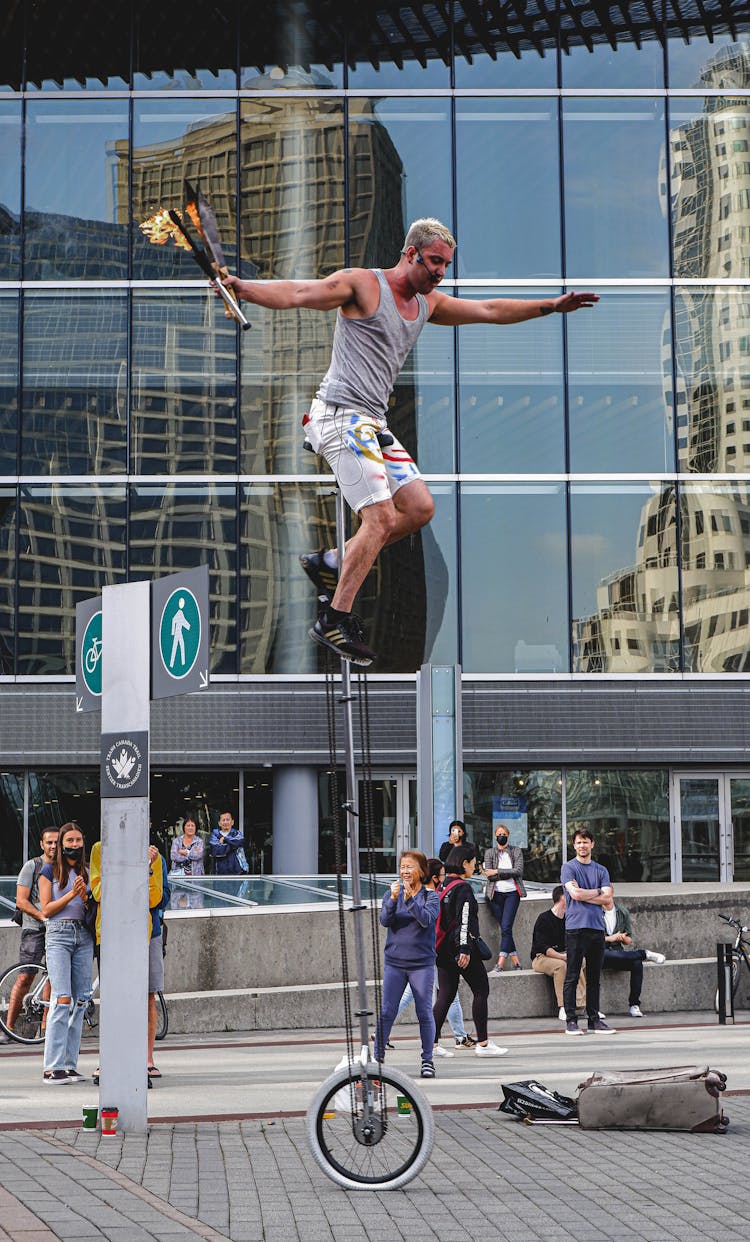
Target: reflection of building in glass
column 635, row 628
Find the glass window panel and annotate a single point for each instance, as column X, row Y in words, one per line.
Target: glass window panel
column 184, row 385
column 259, row 821
column 10, row 188
column 615, row 221
column 538, row 796
column 515, row 47
column 11, row 47
column 11, row 827
column 507, row 155
column 74, row 227
column 611, row 45
column 8, row 382
column 712, row 349
column 292, row 187
column 625, row 585
column 291, row 44
column 513, row 578
column 184, row 48
column 74, row 383
column 740, row 809
column 74, row 46
column 405, row 46
column 620, row 384
column 56, row 798
column 180, row 526
column 709, row 147
column 512, row 407
column 175, row 139
column 407, row 603
column 7, row 579
column 399, row 171
column 701, row 56
column 715, row 547
column 700, row 827
column 628, row 814
column 422, row 414
column 71, row 544
column 203, row 795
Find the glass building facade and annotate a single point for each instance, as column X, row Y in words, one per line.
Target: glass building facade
column 591, row 474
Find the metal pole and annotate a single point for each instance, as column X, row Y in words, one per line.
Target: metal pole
column 352, row 818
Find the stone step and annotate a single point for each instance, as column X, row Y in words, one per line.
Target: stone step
column 677, row 986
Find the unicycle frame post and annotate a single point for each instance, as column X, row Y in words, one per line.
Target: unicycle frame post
column 352, row 818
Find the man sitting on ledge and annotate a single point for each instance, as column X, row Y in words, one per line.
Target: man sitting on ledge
column 620, row 955
column 548, row 955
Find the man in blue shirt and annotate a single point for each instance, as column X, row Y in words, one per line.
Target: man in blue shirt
column 587, row 886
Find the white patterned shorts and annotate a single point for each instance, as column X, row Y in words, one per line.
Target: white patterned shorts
column 348, row 440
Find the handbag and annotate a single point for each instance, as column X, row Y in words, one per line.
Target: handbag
column 90, row 912
column 481, row 946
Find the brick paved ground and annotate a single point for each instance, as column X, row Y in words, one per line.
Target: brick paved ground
column 489, row 1177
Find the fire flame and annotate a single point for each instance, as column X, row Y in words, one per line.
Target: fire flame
column 160, row 229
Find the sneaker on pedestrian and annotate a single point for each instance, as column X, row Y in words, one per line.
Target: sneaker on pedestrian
column 324, row 577
column 74, row 1076
column 572, row 1028
column 427, row 1070
column 489, row 1050
column 602, row 1015
column 439, row 1051
column 496, row 970
column 635, row 1011
column 656, row 958
column 601, row 1028
column 562, row 1014
column 342, row 633
column 55, row 1078
column 466, row 1042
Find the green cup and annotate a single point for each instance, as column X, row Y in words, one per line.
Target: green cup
column 90, row 1118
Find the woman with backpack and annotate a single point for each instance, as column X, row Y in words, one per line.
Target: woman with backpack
column 409, row 911
column 457, row 954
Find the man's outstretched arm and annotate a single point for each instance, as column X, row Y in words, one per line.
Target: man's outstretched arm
column 455, row 311
column 338, row 289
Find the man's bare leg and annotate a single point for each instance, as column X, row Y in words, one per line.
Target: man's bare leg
column 381, row 525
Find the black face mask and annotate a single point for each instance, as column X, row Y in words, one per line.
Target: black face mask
column 501, row 840
column 73, row 853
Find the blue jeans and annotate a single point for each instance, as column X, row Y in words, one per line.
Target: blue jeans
column 455, row 1013
column 504, row 906
column 70, row 954
column 395, row 979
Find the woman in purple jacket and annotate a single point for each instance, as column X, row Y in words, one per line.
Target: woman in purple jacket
column 409, row 912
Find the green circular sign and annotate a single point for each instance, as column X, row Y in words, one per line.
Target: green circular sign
column 91, row 655
column 180, row 633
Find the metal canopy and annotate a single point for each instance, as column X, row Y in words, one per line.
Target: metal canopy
column 76, row 41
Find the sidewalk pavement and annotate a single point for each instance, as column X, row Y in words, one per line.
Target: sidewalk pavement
column 253, row 1178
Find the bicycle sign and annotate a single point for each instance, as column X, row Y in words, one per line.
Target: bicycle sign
column 89, row 655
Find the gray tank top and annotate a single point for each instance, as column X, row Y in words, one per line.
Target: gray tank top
column 368, row 354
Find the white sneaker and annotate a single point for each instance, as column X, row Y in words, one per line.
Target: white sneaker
column 489, row 1050
column 635, row 1011
column 562, row 1015
column 438, row 1051
column 602, row 1015
column 656, row 958
column 496, row 970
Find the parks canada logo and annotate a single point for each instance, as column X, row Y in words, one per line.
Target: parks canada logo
column 123, row 764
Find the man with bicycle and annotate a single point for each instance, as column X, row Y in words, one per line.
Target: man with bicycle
column 33, row 924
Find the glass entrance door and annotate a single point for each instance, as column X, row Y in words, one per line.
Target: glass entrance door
column 394, row 819
column 711, row 826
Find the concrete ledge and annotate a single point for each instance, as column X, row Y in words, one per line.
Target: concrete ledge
column 677, row 986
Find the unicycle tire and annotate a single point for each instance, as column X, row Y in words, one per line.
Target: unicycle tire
column 403, row 1129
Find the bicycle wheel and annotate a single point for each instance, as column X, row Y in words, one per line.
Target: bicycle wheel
column 162, row 1016
column 736, row 963
column 389, row 1152
column 31, row 1006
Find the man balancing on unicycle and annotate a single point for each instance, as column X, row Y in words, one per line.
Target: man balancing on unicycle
column 380, row 315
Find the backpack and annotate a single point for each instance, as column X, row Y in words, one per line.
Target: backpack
column 443, row 926
column 17, row 915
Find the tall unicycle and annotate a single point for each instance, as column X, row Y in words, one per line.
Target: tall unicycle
column 369, row 1127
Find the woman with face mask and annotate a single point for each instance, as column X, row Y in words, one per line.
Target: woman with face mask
column 64, row 895
column 503, row 867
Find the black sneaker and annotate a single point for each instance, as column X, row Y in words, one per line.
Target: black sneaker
column 572, row 1028
column 324, row 579
column 601, row 1028
column 466, row 1042
column 55, row 1078
column 427, row 1070
column 342, row 634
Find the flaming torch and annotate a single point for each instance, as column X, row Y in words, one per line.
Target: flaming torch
column 169, row 225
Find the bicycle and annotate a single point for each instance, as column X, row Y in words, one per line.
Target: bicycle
column 740, row 954
column 29, row 1025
